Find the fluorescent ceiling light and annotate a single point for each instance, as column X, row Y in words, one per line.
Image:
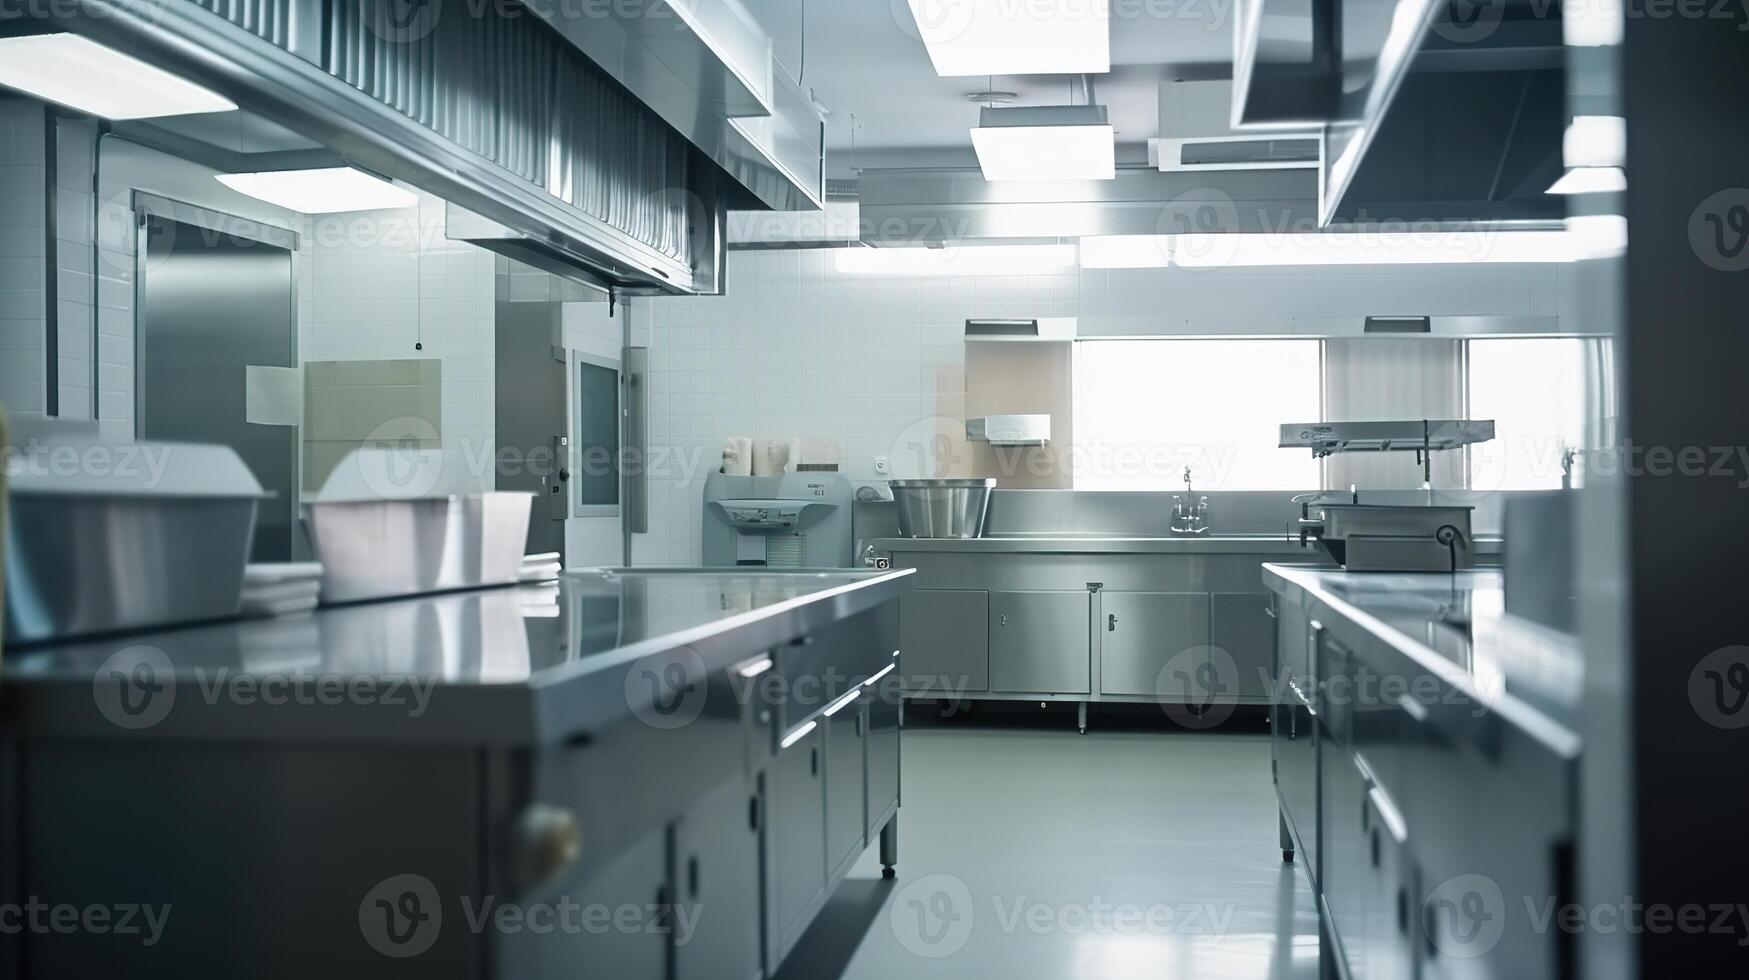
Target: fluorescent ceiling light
column 1585, row 25
column 1597, row 236
column 321, row 191
column 1336, row 248
column 81, row 74
column 1046, row 143
column 1591, row 180
column 1126, row 252
column 1595, row 141
column 970, row 260
column 1015, row 37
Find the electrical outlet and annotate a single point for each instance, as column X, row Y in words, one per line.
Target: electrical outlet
column 883, row 466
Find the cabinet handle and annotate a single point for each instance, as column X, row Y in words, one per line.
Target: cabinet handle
column 1111, row 623
column 753, row 813
column 692, row 876
column 814, row 761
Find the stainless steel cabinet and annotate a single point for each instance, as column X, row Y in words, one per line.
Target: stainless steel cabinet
column 637, row 879
column 1240, row 625
column 846, row 741
column 1294, row 734
column 716, row 848
column 796, row 840
column 1039, row 642
column 1155, row 644
column 946, row 642
column 883, row 756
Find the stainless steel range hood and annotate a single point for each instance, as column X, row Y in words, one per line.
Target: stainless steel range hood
column 494, row 113
column 1431, row 113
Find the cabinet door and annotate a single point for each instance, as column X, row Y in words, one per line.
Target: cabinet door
column 946, row 642
column 716, row 919
column 1145, row 631
column 796, row 840
column 1240, row 625
column 883, row 755
column 1038, row 643
column 846, row 785
column 638, row 879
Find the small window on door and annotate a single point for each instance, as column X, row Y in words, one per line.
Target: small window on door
column 595, row 470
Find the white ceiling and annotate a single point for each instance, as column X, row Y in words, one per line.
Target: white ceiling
column 863, row 58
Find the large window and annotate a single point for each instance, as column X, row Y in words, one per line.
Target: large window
column 1147, row 409
column 1534, row 390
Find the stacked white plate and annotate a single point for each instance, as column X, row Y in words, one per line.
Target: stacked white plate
column 281, row 589
column 541, row 568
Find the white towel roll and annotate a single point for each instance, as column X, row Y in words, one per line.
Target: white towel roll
column 770, row 457
column 738, row 456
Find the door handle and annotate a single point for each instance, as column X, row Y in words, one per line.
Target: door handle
column 1111, row 623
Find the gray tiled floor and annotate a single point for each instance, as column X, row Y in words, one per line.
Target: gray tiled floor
column 1044, row 854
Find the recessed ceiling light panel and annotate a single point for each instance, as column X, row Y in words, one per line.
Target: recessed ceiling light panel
column 1046, row 143
column 81, row 74
column 1006, row 37
column 322, row 191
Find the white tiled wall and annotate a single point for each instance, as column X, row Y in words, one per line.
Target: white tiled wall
column 798, row 349
column 22, row 245
column 377, row 285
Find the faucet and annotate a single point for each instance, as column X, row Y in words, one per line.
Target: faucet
column 1189, row 518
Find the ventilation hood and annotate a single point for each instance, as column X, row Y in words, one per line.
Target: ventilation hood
column 1431, row 113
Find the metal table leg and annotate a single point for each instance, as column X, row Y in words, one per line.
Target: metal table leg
column 890, row 848
column 1081, row 716
column 1287, row 840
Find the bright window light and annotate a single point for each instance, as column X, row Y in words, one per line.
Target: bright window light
column 1591, row 180
column 1595, row 141
column 1005, row 37
column 81, row 74
column 968, row 260
column 1146, row 409
column 322, row 191
column 1534, row 390
column 1213, row 251
column 1046, row 152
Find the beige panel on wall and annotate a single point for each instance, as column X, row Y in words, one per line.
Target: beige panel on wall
column 1022, row 379
column 1379, row 379
column 349, row 404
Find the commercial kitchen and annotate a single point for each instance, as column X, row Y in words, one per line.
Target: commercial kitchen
column 781, row 489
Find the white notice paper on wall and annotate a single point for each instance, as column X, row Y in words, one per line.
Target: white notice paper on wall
column 272, row 395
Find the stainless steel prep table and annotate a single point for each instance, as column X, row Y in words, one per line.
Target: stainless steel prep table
column 1176, row 621
column 1425, row 758
column 657, row 739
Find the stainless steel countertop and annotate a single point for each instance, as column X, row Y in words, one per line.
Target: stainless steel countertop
column 510, row 665
column 1100, row 544
column 1453, row 630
